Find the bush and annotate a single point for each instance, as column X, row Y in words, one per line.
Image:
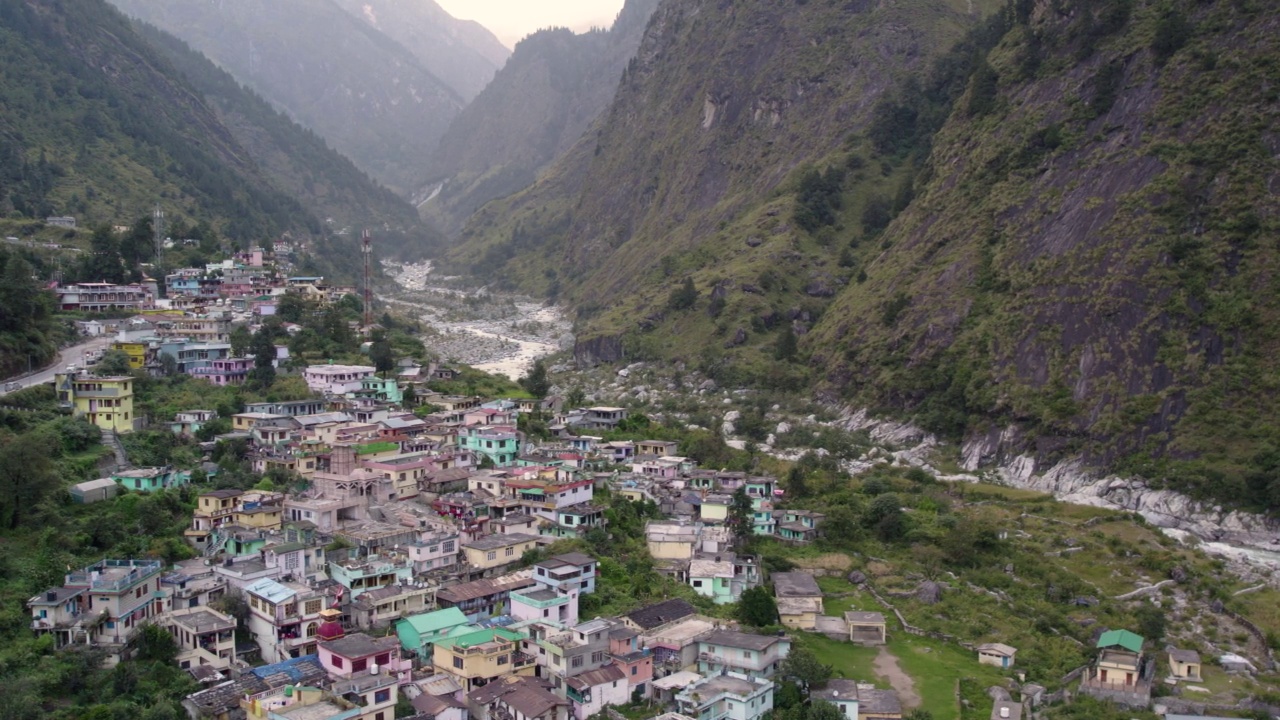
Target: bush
column 1173, row 30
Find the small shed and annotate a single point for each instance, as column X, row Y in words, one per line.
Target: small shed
column 997, row 654
column 92, row 491
column 866, row 628
column 1184, row 664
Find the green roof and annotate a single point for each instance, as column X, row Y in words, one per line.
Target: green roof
column 434, row 622
column 376, row 448
column 1123, row 638
column 479, row 637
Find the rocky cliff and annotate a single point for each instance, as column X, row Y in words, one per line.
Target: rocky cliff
column 555, row 85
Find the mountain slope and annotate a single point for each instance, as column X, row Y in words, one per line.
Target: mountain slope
column 365, row 94
column 720, row 108
column 555, row 84
column 462, row 53
column 1058, row 241
column 97, row 125
column 1090, row 264
column 294, row 158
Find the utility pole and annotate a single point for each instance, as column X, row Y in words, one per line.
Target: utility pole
column 367, row 249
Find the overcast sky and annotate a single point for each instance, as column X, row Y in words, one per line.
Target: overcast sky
column 511, row 20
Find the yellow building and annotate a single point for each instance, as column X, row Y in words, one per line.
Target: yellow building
column 137, row 352
column 480, row 657
column 104, row 401
column 494, row 551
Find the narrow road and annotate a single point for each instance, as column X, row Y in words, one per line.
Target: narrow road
column 886, row 666
column 73, row 355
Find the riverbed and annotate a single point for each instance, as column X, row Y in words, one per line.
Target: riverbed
column 497, row 333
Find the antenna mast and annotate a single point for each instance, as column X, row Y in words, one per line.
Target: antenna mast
column 367, row 249
column 157, row 228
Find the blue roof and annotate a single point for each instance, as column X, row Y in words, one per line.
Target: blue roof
column 271, row 590
column 288, row 667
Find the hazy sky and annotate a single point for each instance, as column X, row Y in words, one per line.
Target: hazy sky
column 511, row 20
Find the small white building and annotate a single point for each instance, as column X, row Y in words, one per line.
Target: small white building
column 997, row 654
column 841, row 693
column 732, row 696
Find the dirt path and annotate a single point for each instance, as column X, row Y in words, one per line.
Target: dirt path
column 886, row 666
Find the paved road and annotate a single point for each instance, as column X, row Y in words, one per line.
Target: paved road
column 73, row 355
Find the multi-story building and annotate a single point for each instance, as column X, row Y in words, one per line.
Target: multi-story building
column 482, row 599
column 375, row 571
column 418, row 633
column 478, row 658
column 102, row 604
column 337, row 379
column 757, row 656
column 500, row 444
column 592, row 691
column 284, row 618
column 435, row 550
column 204, row 637
column 195, row 328
column 569, row 652
column 635, row 662
column 571, row 572
column 538, row 603
column 723, row 576
column 231, row 371
column 496, row 551
column 101, row 297
column 104, row 401
column 367, row 672
column 517, row 698
column 732, row 696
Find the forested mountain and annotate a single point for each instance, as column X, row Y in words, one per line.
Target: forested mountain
column 295, row 159
column 367, row 95
column 1050, row 233
column 554, row 86
column 97, row 124
column 462, row 53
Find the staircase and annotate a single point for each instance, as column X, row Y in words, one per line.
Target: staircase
column 216, row 546
column 112, row 440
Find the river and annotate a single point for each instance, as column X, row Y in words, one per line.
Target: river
column 497, row 333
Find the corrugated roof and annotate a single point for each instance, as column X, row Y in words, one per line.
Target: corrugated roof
column 436, row 621
column 1122, row 638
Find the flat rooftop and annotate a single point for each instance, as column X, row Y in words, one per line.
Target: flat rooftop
column 203, row 621
column 322, row 710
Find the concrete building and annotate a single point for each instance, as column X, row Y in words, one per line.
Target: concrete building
column 104, row 401
column 731, row 696
column 102, row 604
column 754, row 655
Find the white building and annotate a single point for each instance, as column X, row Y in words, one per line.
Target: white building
column 731, row 696
column 336, row 379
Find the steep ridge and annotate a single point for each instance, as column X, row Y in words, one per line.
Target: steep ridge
column 462, row 53
column 368, row 96
column 295, row 159
column 719, row 110
column 555, row 85
column 96, row 124
column 1053, row 242
column 1089, row 266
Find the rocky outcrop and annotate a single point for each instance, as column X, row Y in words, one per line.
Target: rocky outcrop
column 594, row 351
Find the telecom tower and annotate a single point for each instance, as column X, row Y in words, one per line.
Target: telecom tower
column 367, row 249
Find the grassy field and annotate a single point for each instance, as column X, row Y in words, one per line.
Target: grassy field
column 846, row 659
column 936, row 666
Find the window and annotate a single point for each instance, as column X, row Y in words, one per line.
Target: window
column 382, row 695
column 338, row 662
column 358, row 665
column 502, row 659
column 383, row 659
column 597, row 657
column 448, row 546
column 577, row 661
column 697, row 583
column 457, row 663
column 493, row 555
column 746, row 654
column 511, row 551
column 635, row 669
column 313, row 607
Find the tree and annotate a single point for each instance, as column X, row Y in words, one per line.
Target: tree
column 575, row 398
column 1151, row 622
column 103, row 263
column 684, row 296
column 823, row 710
column 785, row 350
column 113, row 362
column 741, row 516
column 154, row 644
column 382, row 356
column 797, row 486
column 802, row 667
column 536, row 382
column 264, row 356
column 240, row 339
column 757, row 607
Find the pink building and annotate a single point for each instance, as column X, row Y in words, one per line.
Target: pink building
column 231, row 371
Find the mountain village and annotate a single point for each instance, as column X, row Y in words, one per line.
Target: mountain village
column 412, row 557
